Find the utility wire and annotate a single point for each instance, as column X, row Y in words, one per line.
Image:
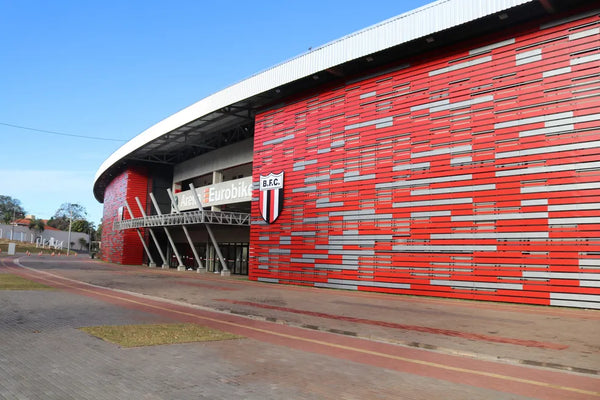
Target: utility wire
column 62, row 134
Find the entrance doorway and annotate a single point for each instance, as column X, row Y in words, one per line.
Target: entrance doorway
column 235, row 255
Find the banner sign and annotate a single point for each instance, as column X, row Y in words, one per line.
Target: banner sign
column 235, row 191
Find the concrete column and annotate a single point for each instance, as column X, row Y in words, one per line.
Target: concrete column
column 217, row 178
column 207, row 254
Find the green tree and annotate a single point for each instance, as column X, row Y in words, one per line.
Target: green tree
column 59, row 223
column 71, row 210
column 37, row 225
column 82, row 243
column 98, row 235
column 81, row 225
column 73, row 213
column 10, row 207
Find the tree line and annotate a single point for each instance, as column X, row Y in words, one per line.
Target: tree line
column 75, row 214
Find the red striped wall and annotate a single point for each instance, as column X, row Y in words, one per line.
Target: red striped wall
column 470, row 173
column 123, row 247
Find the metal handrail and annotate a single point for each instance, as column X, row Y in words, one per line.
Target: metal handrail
column 185, row 218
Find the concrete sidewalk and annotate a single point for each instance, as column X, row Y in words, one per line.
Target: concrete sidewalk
column 559, row 338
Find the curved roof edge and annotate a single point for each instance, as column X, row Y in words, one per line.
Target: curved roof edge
column 415, row 24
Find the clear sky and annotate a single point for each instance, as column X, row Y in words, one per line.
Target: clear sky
column 111, row 69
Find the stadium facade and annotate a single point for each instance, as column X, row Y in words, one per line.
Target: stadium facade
column 451, row 151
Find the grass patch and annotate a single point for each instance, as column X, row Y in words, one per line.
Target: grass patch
column 156, row 334
column 14, row 282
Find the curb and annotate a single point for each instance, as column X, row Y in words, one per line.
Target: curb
column 419, row 345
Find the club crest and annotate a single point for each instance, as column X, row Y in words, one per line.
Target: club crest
column 270, row 201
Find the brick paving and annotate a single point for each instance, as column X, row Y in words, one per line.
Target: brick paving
column 570, row 335
column 43, row 356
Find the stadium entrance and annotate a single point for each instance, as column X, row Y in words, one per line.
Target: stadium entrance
column 235, row 256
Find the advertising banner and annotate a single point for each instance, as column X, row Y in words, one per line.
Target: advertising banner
column 235, row 191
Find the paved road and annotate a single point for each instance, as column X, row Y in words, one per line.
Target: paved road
column 284, row 360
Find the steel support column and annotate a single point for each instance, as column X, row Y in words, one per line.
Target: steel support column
column 187, row 233
column 162, row 256
column 180, row 265
column 140, row 236
column 225, row 271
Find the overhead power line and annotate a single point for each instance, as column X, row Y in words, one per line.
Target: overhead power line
column 61, row 133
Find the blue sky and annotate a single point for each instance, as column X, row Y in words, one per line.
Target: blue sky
column 112, row 69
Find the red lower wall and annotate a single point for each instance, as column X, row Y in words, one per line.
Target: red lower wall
column 471, row 173
column 123, row 247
